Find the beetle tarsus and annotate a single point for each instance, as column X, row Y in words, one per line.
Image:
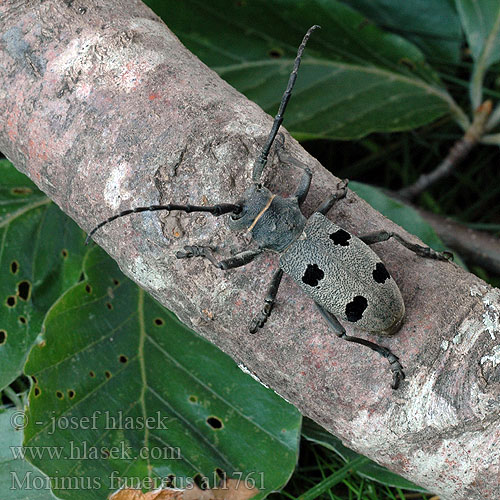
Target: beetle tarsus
column 260, row 320
column 340, row 193
column 198, row 251
column 238, row 260
column 397, row 370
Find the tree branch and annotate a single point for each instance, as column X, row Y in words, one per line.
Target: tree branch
column 457, row 154
column 105, row 110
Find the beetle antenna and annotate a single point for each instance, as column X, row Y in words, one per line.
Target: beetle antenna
column 220, row 209
column 261, row 160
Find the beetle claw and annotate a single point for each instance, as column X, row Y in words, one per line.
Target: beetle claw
column 397, row 371
column 342, row 184
column 186, row 254
column 260, row 320
column 447, row 255
column 397, row 377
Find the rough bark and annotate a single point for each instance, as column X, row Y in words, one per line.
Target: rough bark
column 104, row 109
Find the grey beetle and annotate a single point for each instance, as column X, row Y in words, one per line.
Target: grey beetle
column 344, row 277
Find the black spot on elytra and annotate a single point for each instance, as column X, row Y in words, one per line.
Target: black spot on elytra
column 313, row 275
column 355, row 309
column 380, row 274
column 341, row 238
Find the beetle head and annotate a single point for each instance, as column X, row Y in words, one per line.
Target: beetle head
column 254, row 201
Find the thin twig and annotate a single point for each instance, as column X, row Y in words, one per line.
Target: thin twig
column 457, row 154
column 494, row 119
column 493, row 139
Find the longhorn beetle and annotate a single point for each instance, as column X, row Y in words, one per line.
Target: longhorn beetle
column 344, row 277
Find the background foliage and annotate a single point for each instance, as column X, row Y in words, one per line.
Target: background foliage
column 399, row 80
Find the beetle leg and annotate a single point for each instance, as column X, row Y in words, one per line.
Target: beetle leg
column 426, row 252
column 238, row 260
column 269, row 301
column 305, row 180
column 396, row 367
column 325, row 207
column 304, row 185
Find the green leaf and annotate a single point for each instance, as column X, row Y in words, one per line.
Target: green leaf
column 433, row 26
column 481, row 22
column 332, row 480
column 369, row 469
column 111, row 353
column 355, row 78
column 18, row 479
column 40, row 257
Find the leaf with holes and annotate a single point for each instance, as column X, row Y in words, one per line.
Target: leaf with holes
column 128, row 392
column 355, row 78
column 40, row 257
column 18, row 479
